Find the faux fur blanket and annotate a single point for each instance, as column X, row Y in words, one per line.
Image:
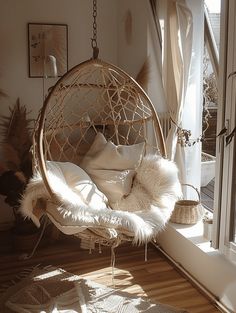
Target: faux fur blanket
column 144, row 212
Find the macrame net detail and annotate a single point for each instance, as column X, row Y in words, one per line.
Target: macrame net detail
column 93, row 97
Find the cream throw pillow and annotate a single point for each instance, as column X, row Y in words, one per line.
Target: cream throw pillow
column 72, row 182
column 112, row 167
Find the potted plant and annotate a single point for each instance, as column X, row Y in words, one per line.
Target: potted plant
column 16, row 169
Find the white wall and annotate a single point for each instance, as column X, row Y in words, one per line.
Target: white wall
column 131, row 56
column 142, row 46
column 14, row 16
column 77, row 14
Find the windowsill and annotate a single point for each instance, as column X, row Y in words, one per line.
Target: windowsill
column 187, row 246
column 194, row 233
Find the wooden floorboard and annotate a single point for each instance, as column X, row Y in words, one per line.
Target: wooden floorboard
column 155, row 279
column 207, row 195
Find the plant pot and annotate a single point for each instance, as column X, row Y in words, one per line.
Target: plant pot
column 207, row 229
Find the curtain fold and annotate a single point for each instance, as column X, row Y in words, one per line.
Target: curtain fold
column 179, row 39
column 155, row 86
column 183, row 59
column 180, row 77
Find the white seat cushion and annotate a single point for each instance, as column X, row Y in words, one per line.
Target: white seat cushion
column 66, row 177
column 75, row 190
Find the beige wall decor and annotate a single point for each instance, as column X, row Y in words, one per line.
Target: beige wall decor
column 47, row 45
column 128, row 27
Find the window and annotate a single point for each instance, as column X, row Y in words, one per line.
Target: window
column 210, row 100
column 225, row 227
column 225, row 180
column 221, row 76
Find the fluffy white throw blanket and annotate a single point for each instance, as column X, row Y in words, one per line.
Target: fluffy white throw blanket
column 144, row 212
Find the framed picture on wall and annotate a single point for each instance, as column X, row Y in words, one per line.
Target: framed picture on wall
column 48, row 49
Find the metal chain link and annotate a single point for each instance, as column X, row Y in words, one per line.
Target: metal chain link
column 94, row 39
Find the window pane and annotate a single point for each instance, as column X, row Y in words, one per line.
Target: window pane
column 213, row 9
column 209, row 125
column 210, row 101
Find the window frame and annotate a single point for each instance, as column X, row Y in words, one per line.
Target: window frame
column 217, row 221
column 222, row 231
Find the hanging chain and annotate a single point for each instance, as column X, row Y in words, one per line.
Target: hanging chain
column 94, row 39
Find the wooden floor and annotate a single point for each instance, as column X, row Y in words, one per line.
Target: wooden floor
column 156, row 279
column 207, row 195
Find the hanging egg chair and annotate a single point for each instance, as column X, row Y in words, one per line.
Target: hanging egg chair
column 99, row 156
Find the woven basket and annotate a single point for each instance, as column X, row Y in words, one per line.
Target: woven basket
column 188, row 211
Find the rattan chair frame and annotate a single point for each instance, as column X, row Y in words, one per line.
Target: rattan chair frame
column 40, row 144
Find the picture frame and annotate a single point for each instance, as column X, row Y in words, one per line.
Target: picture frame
column 47, row 50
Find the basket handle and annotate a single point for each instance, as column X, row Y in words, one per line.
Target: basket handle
column 198, row 193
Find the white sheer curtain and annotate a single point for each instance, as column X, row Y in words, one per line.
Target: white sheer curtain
column 183, row 83
column 178, row 56
column 154, row 50
column 182, row 23
column 155, row 86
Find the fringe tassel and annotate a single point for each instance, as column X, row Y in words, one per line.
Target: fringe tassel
column 26, row 256
column 113, row 259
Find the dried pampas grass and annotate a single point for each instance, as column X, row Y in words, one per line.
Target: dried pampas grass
column 10, row 157
column 16, row 142
column 143, row 75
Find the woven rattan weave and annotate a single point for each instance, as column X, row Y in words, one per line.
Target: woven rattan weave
column 93, row 97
